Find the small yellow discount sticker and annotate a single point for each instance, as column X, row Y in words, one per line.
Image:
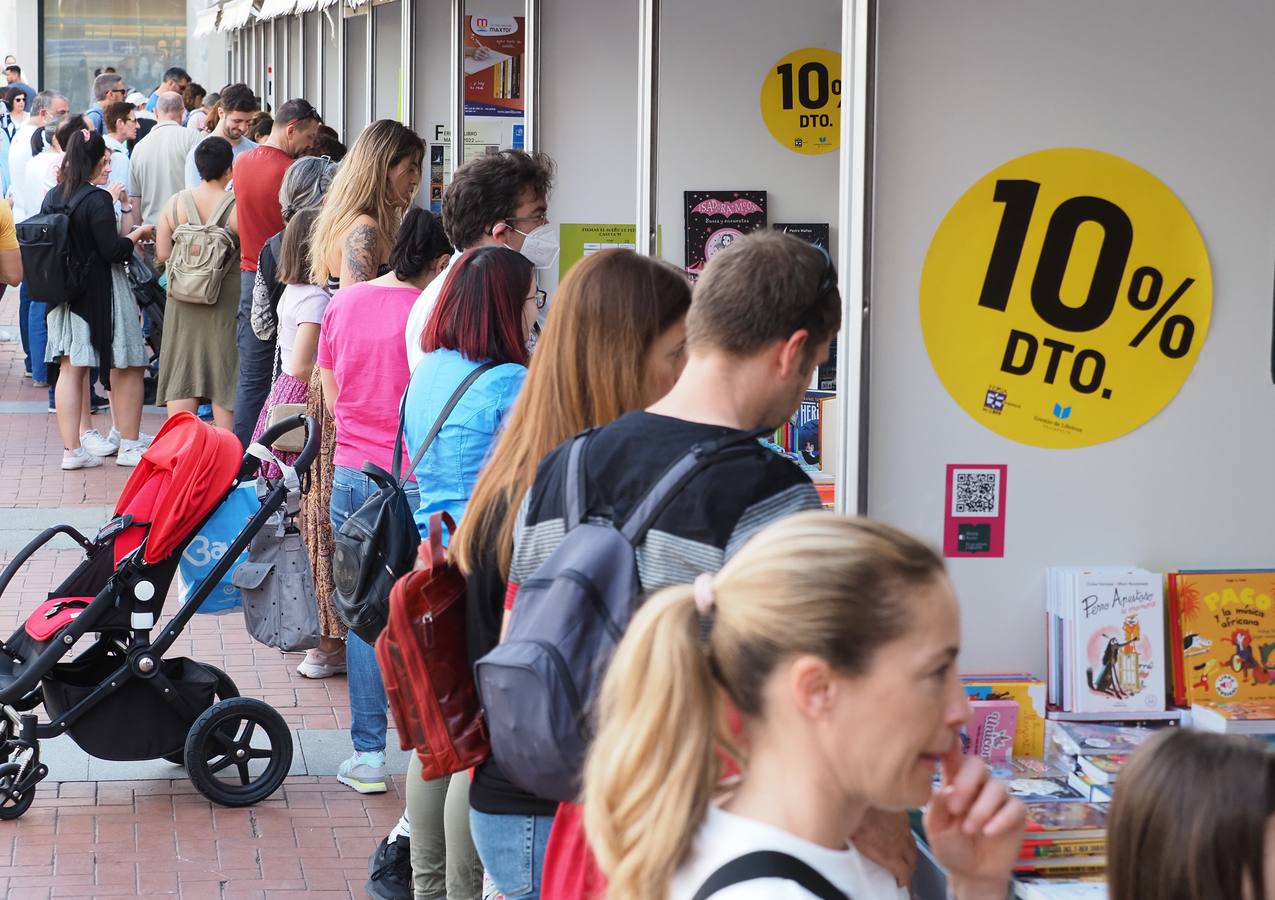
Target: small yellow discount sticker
column 801, row 100
column 1065, row 298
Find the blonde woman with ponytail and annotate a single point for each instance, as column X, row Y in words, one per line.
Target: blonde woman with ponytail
column 835, row 640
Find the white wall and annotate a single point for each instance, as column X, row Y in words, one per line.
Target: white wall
column 1181, row 91
column 388, row 22
column 20, row 35
column 713, row 57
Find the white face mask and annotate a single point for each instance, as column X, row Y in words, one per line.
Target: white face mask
column 540, row 246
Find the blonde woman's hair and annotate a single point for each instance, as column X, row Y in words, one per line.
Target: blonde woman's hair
column 813, row 584
column 362, row 187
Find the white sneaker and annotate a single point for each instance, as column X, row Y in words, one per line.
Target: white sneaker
column 130, row 455
column 79, row 458
column 96, row 444
column 143, row 438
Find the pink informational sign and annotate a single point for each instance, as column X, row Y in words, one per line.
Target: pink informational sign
column 974, row 511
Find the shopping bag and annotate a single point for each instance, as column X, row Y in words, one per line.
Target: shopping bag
column 208, row 547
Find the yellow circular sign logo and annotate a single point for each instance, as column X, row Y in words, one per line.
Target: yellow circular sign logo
column 1065, row 298
column 801, row 100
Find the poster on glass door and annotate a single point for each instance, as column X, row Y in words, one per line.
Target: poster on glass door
column 495, row 48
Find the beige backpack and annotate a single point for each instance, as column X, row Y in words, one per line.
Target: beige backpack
column 201, row 252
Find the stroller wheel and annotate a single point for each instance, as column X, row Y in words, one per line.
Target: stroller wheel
column 9, row 807
column 224, row 691
column 239, row 751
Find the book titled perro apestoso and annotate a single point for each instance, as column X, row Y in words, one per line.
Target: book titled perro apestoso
column 1114, row 639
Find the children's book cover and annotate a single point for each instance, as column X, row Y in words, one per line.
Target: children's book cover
column 1058, row 819
column 1102, row 769
column 716, row 219
column 1244, row 710
column 1228, row 634
column 1119, row 642
column 989, row 733
column 1029, row 693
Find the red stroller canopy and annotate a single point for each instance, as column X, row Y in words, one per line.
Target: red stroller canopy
column 186, row 472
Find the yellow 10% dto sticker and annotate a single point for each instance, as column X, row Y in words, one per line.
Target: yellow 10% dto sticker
column 801, row 101
column 1065, row 298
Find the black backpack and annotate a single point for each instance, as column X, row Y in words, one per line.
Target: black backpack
column 377, row 545
column 769, row 864
column 537, row 686
column 51, row 272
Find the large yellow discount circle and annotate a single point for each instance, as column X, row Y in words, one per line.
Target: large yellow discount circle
column 801, row 100
column 1065, row 298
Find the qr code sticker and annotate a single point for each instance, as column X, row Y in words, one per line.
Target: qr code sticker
column 976, row 493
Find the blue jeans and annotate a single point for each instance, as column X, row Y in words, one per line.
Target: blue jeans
column 350, row 490
column 38, row 332
column 512, row 849
column 24, row 325
column 256, row 365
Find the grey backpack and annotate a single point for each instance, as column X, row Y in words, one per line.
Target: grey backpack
column 537, row 687
column 279, row 601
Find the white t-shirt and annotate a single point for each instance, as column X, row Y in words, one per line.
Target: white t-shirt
column 40, row 177
column 20, row 153
column 299, row 304
column 725, row 836
column 418, row 318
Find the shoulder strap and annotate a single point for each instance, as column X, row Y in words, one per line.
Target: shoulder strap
column 84, row 193
column 222, row 211
column 438, row 423
column 573, row 482
column 675, row 477
column 769, row 864
column 192, row 211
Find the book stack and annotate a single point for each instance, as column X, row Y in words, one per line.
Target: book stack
column 1106, row 642
column 1064, row 838
column 1252, row 717
column 1028, row 692
column 1035, row 780
column 1093, row 754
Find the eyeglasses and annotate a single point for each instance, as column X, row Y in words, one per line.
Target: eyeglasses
column 541, row 297
column 542, row 219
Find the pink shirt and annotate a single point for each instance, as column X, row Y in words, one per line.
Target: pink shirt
column 361, row 343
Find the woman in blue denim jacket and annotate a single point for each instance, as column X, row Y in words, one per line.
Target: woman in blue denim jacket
column 485, row 313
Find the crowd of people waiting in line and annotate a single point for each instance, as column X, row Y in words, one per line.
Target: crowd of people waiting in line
column 754, row 701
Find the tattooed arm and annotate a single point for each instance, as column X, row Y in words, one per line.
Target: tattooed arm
column 360, row 255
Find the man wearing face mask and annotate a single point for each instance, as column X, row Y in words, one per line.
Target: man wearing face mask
column 238, row 104
column 500, row 199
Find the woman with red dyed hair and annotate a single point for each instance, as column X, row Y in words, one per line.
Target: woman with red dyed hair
column 485, row 312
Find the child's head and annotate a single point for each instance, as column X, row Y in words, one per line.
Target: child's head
column 1189, row 820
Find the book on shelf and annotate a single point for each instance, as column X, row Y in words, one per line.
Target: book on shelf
column 1050, row 889
column 989, row 732
column 1102, row 769
column 1095, row 739
column 1226, row 645
column 1071, row 865
column 1106, row 640
column 1034, row 780
column 1254, row 717
column 1094, row 793
column 1076, row 820
column 1029, row 692
column 1056, row 849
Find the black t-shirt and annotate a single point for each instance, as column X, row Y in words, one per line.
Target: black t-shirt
column 745, row 489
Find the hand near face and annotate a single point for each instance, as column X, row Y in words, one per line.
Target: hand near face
column 886, row 839
column 975, row 827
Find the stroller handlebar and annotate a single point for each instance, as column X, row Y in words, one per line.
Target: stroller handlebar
column 308, row 452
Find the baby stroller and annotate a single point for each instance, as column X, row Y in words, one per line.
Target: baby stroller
column 120, row 698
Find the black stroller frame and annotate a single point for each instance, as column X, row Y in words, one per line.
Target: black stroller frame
column 134, row 674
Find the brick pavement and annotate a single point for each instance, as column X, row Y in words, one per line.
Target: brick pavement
column 148, row 838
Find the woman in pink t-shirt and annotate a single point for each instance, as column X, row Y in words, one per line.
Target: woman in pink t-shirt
column 363, row 367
